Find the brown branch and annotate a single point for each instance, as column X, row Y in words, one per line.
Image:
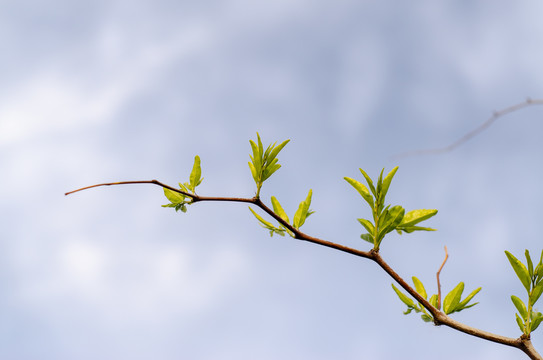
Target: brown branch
column 523, row 343
column 438, row 283
column 472, row 133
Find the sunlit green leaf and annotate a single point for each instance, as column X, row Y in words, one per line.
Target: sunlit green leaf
column 419, row 287
column 265, row 223
column 433, row 301
column 367, row 225
column 278, row 209
column 195, row 174
column 362, row 190
column 464, row 303
column 404, row 298
column 276, row 150
column 536, row 293
column 413, row 217
column 410, row 229
column 393, row 218
column 386, row 182
column 452, row 299
column 520, row 270
column 379, row 186
column 301, row 213
column 521, row 308
column 520, row 322
column 173, row 196
column 370, row 182
column 536, row 321
column 529, row 262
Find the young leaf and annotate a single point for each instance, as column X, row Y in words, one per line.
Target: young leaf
column 370, row 183
column 263, row 222
column 379, row 186
column 453, row 299
column 173, row 196
column 393, row 217
column 427, row 318
column 276, row 150
column 368, row 238
column 367, row 225
column 433, row 301
column 413, row 217
column 419, row 287
column 404, row 298
column 386, row 182
column 529, row 262
column 195, row 174
column 520, row 323
column 536, row 293
column 521, row 308
column 303, row 211
column 410, row 229
column 464, row 303
column 278, row 209
column 536, row 321
column 520, row 270
column 361, row 189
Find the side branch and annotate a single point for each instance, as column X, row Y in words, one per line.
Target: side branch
column 495, row 116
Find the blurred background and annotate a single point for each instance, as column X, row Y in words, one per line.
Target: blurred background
column 132, row 90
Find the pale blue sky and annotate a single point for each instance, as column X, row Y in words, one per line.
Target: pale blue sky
column 118, row 90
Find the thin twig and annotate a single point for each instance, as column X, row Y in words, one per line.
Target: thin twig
column 495, row 116
column 438, row 283
column 522, row 343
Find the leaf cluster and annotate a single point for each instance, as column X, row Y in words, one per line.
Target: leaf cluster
column 452, row 303
column 528, row 319
column 386, row 218
column 180, row 201
column 300, row 216
column 264, row 162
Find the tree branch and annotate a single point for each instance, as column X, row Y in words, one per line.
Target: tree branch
column 472, row 133
column 523, row 343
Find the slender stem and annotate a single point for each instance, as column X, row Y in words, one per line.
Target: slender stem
column 438, row 283
column 523, row 343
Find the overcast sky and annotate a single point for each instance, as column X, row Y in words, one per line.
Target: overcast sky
column 132, row 90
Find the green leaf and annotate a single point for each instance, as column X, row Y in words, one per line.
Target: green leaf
column 536, row 321
column 520, row 270
column 386, row 182
column 464, row 303
column 427, row 318
column 410, row 229
column 302, row 212
column 520, row 323
column 263, row 222
column 453, row 299
column 521, row 308
column 278, row 209
column 394, row 217
column 529, row 262
column 276, row 150
column 363, row 190
column 536, row 293
column 195, row 174
column 415, row 216
column 433, row 301
column 379, row 186
column 419, row 287
column 370, row 183
column 404, row 298
column 367, row 237
column 173, row 196
column 367, row 225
